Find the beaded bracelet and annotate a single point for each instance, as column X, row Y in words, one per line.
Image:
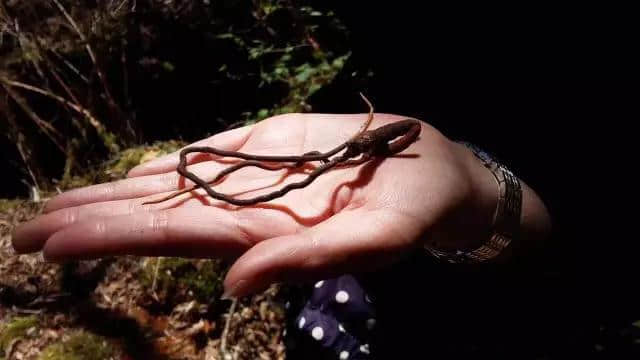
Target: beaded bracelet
column 506, row 221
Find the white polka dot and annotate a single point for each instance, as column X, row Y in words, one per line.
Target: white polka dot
column 344, row 355
column 319, row 283
column 371, row 323
column 317, row 333
column 342, row 296
column 284, row 332
column 368, row 299
column 287, row 304
column 364, row 348
column 301, row 322
column 340, row 328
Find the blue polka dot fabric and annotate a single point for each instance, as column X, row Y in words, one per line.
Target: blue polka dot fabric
column 338, row 316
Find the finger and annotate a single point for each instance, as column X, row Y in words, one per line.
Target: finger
column 354, row 240
column 230, row 140
column 207, row 232
column 129, row 188
column 31, row 236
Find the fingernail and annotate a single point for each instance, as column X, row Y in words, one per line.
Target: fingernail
column 232, row 292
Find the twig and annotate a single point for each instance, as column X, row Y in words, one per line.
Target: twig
column 35, row 193
column 225, row 332
column 49, row 130
column 125, row 88
column 89, row 50
column 119, row 7
column 55, row 74
column 69, row 160
column 16, row 133
column 92, row 120
column 4, row 15
column 23, row 41
column 47, row 93
column 25, row 158
column 155, row 278
column 70, row 66
column 369, row 118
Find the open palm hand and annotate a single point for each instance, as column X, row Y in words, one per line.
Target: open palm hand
column 349, row 219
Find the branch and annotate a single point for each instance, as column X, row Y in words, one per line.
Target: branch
column 15, row 134
column 49, row 130
column 225, row 332
column 70, row 66
column 100, row 128
column 89, row 50
column 55, row 74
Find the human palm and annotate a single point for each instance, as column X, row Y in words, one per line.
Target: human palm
column 347, row 220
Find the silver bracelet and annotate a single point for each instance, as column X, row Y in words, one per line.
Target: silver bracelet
column 506, row 223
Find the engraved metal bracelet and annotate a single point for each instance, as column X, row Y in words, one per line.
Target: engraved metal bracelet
column 507, row 216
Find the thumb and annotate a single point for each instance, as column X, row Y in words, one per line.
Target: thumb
column 351, row 241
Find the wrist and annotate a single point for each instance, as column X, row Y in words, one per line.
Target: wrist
column 483, row 200
column 468, row 224
column 532, row 224
column 492, row 214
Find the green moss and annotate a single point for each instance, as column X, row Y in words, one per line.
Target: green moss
column 176, row 277
column 127, row 159
column 80, row 346
column 16, row 328
column 8, row 204
column 110, row 140
column 118, row 165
